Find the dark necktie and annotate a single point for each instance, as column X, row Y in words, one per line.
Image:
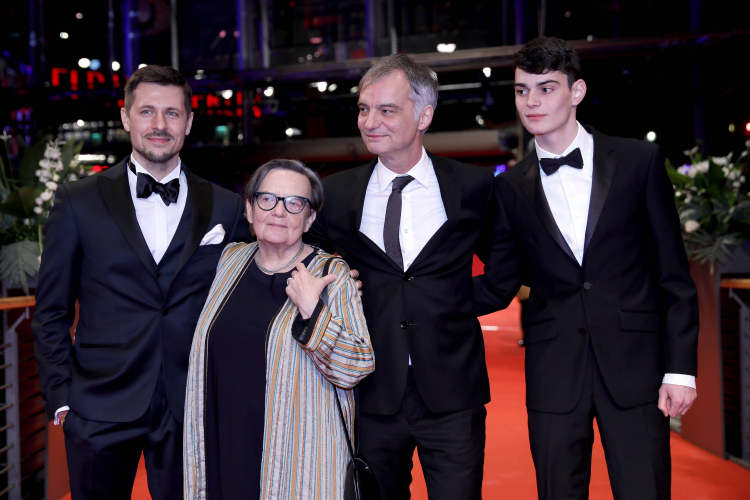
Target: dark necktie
column 146, row 185
column 393, row 220
column 573, row 159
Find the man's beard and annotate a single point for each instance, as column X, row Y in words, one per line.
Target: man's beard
column 152, row 156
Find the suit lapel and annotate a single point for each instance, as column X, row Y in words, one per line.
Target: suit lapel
column 450, row 192
column 202, row 203
column 356, row 207
column 604, row 171
column 114, row 190
column 531, row 186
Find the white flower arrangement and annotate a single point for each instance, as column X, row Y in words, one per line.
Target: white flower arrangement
column 713, row 202
column 26, row 197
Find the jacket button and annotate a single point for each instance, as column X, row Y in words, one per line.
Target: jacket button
column 165, row 311
column 158, row 275
column 582, row 329
column 404, row 324
column 408, row 277
column 587, row 285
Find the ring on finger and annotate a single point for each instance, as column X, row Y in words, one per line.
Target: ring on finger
column 288, row 280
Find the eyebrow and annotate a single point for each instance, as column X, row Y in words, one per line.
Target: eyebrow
column 545, row 82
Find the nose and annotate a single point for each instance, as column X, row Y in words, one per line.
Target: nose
column 279, row 210
column 160, row 122
column 532, row 100
column 371, row 121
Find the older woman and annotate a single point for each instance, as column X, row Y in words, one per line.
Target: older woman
column 260, row 414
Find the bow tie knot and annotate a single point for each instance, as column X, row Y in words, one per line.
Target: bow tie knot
column 573, row 159
column 147, row 185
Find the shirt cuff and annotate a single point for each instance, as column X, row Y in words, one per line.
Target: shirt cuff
column 677, row 379
column 58, row 412
column 300, row 332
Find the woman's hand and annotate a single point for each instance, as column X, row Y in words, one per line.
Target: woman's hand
column 304, row 289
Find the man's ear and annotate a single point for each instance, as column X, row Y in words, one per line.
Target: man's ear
column 579, row 92
column 425, row 118
column 125, row 120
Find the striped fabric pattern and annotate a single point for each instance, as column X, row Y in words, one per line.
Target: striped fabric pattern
column 304, row 451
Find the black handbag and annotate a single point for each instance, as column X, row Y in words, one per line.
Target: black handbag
column 360, row 483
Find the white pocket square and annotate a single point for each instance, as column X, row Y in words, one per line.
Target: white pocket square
column 214, row 236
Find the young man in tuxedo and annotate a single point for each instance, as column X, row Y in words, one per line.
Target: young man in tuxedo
column 612, row 320
column 137, row 247
column 410, row 222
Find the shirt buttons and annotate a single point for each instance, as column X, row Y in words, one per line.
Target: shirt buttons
column 404, row 324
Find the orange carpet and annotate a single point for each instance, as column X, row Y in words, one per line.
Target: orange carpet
column 509, row 471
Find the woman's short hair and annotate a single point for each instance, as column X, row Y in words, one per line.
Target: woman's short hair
column 423, row 82
column 316, row 188
column 543, row 55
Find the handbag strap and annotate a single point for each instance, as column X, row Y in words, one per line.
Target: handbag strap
column 324, row 298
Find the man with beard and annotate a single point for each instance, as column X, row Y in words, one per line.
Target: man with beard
column 137, row 247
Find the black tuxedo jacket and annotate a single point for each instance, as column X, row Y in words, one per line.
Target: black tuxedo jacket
column 633, row 298
column 426, row 312
column 135, row 316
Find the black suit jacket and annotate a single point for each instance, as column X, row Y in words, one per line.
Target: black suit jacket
column 426, row 312
column 633, row 298
column 135, row 316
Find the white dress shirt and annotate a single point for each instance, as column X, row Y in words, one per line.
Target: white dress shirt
column 422, row 210
column 158, row 222
column 568, row 193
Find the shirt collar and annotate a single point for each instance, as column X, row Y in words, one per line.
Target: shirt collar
column 420, row 172
column 579, row 142
column 174, row 174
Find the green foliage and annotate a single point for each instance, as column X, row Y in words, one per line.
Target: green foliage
column 19, row 260
column 713, row 203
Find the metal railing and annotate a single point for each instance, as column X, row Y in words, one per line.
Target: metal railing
column 10, row 431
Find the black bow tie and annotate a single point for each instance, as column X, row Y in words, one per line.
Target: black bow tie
column 574, row 159
column 147, row 185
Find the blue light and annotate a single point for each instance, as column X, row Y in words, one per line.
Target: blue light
column 499, row 169
column 95, row 64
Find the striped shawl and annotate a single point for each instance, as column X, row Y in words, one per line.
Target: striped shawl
column 304, row 448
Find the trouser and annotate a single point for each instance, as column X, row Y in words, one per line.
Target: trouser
column 635, row 441
column 450, row 447
column 103, row 456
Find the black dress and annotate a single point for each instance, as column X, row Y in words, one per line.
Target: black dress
column 236, row 384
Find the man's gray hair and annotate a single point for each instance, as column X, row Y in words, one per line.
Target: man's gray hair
column 422, row 80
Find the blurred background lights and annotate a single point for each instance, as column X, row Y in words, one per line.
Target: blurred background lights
column 95, row 64
column 84, row 62
column 115, row 66
column 731, row 127
column 64, row 35
column 227, row 94
column 354, row 90
column 80, row 123
column 747, row 127
column 487, row 72
column 332, row 87
column 268, row 92
column 446, row 47
column 651, row 136
column 79, row 15
column 322, row 86
column 291, row 132
column 142, row 66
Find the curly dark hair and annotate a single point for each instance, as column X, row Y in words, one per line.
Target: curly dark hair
column 544, row 54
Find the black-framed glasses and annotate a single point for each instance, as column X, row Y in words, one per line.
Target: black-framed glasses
column 292, row 204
